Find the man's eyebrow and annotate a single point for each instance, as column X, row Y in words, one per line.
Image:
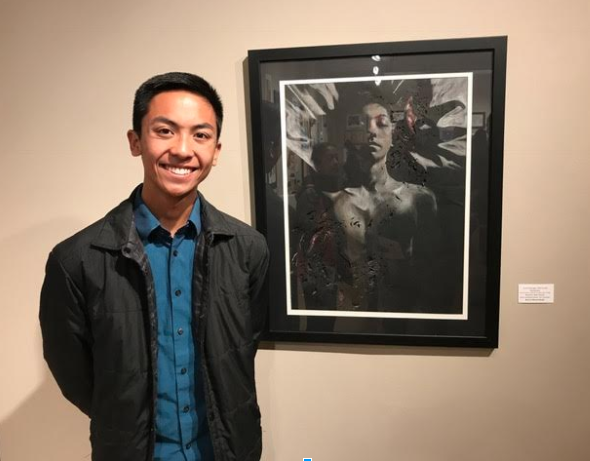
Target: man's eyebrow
column 204, row 125
column 167, row 121
column 162, row 119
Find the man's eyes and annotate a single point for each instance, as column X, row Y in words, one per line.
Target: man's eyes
column 383, row 121
column 202, row 136
column 163, row 131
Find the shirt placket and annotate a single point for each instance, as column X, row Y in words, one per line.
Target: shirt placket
column 180, row 287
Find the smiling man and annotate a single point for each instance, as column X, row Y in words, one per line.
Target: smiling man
column 151, row 316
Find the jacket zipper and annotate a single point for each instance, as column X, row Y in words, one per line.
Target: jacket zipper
column 202, row 318
column 140, row 258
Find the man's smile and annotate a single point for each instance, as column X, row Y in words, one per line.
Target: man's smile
column 177, row 170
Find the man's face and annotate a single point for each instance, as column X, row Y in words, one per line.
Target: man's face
column 328, row 163
column 379, row 129
column 178, row 144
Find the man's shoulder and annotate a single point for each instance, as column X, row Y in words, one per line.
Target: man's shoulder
column 245, row 236
column 221, row 222
column 77, row 245
column 241, row 228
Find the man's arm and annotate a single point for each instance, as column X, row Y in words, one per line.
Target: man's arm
column 259, row 289
column 66, row 336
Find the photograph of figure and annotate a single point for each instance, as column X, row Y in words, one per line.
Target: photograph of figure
column 378, row 178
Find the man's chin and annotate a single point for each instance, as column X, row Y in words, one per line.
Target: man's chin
column 175, row 193
column 182, row 193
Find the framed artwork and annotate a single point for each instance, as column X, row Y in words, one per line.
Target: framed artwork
column 378, row 186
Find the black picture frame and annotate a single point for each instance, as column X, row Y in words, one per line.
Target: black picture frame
column 410, row 257
column 478, row 120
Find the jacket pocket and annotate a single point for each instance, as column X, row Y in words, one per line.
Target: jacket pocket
column 112, row 444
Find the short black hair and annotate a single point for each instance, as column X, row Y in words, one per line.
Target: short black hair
column 174, row 81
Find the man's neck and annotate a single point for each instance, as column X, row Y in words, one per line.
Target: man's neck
column 375, row 173
column 172, row 212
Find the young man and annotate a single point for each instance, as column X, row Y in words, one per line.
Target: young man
column 151, row 316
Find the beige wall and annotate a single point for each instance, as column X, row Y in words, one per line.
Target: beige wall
column 68, row 72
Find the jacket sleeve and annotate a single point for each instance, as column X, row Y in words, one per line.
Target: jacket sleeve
column 66, row 335
column 259, row 290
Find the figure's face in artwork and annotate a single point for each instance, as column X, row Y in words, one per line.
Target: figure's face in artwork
column 178, row 143
column 328, row 162
column 379, row 129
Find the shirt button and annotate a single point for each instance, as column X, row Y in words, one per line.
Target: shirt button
column 175, row 253
column 178, row 292
column 188, row 446
column 186, row 409
column 180, row 331
column 183, row 371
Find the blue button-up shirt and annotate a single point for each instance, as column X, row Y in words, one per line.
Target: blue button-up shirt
column 182, row 433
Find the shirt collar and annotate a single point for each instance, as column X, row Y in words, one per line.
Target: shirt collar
column 146, row 222
column 195, row 216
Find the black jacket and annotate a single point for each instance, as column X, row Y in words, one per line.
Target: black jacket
column 98, row 319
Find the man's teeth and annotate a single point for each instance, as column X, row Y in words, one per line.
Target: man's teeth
column 177, row 170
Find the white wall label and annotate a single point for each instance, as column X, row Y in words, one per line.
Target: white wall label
column 536, row 293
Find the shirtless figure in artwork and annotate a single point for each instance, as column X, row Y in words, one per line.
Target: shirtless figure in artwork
column 385, row 224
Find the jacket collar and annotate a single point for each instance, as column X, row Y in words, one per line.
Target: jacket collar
column 119, row 230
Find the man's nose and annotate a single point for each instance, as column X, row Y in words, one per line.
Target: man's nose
column 182, row 146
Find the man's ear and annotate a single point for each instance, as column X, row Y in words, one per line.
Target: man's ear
column 216, row 154
column 134, row 145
